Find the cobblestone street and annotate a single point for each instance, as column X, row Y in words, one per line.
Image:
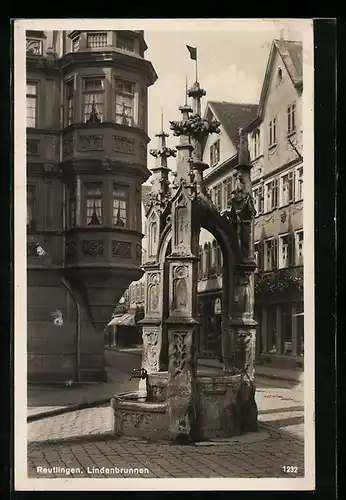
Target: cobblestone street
column 81, row 441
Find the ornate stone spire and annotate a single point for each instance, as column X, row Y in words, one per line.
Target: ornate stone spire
column 160, row 182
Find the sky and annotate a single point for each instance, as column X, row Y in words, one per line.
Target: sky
column 232, row 59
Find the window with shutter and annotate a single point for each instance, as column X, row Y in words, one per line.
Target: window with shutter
column 291, row 249
column 275, row 254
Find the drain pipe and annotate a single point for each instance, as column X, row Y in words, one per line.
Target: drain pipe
column 78, row 329
column 64, row 202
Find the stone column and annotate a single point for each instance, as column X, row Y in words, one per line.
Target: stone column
column 151, row 324
column 242, row 331
column 182, row 367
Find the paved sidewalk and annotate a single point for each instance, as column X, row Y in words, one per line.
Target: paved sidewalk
column 83, row 440
column 264, row 454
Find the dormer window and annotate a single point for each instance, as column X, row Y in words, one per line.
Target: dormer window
column 96, row 40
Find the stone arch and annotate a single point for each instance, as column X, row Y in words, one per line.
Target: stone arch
column 226, row 238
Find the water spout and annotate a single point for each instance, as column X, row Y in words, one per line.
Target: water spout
column 139, row 373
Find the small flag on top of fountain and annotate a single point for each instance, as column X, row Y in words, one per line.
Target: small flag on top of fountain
column 193, row 52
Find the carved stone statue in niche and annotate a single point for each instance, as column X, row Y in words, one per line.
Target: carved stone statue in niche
column 241, row 213
column 153, row 292
column 242, row 298
column 150, row 343
column 182, row 226
column 153, row 238
column 243, row 354
column 180, row 287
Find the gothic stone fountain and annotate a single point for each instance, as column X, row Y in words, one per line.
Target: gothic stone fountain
column 174, row 401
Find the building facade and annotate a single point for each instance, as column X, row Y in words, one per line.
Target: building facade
column 221, row 153
column 275, row 141
column 86, row 161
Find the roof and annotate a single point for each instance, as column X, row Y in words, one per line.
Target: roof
column 291, row 53
column 233, row 116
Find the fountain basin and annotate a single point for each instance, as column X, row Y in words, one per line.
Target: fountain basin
column 138, row 417
column 225, row 407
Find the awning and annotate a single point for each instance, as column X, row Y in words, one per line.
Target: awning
column 127, row 319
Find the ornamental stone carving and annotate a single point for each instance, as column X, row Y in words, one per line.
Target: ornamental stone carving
column 179, row 352
column 163, row 152
column 180, row 296
column 153, row 292
column 138, row 252
column 90, row 142
column 70, row 249
column 196, row 127
column 150, row 341
column 121, row 249
column 93, row 248
column 33, row 47
column 125, row 145
column 142, row 151
column 68, row 145
column 241, row 213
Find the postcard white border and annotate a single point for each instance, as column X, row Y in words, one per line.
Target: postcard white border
column 22, row 482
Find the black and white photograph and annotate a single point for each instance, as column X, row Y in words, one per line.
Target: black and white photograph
column 164, row 254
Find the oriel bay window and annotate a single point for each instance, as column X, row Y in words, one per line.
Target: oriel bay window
column 93, row 99
column 94, row 203
column 72, row 207
column 120, row 200
column 69, row 86
column 124, row 102
column 31, row 104
column 31, row 207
